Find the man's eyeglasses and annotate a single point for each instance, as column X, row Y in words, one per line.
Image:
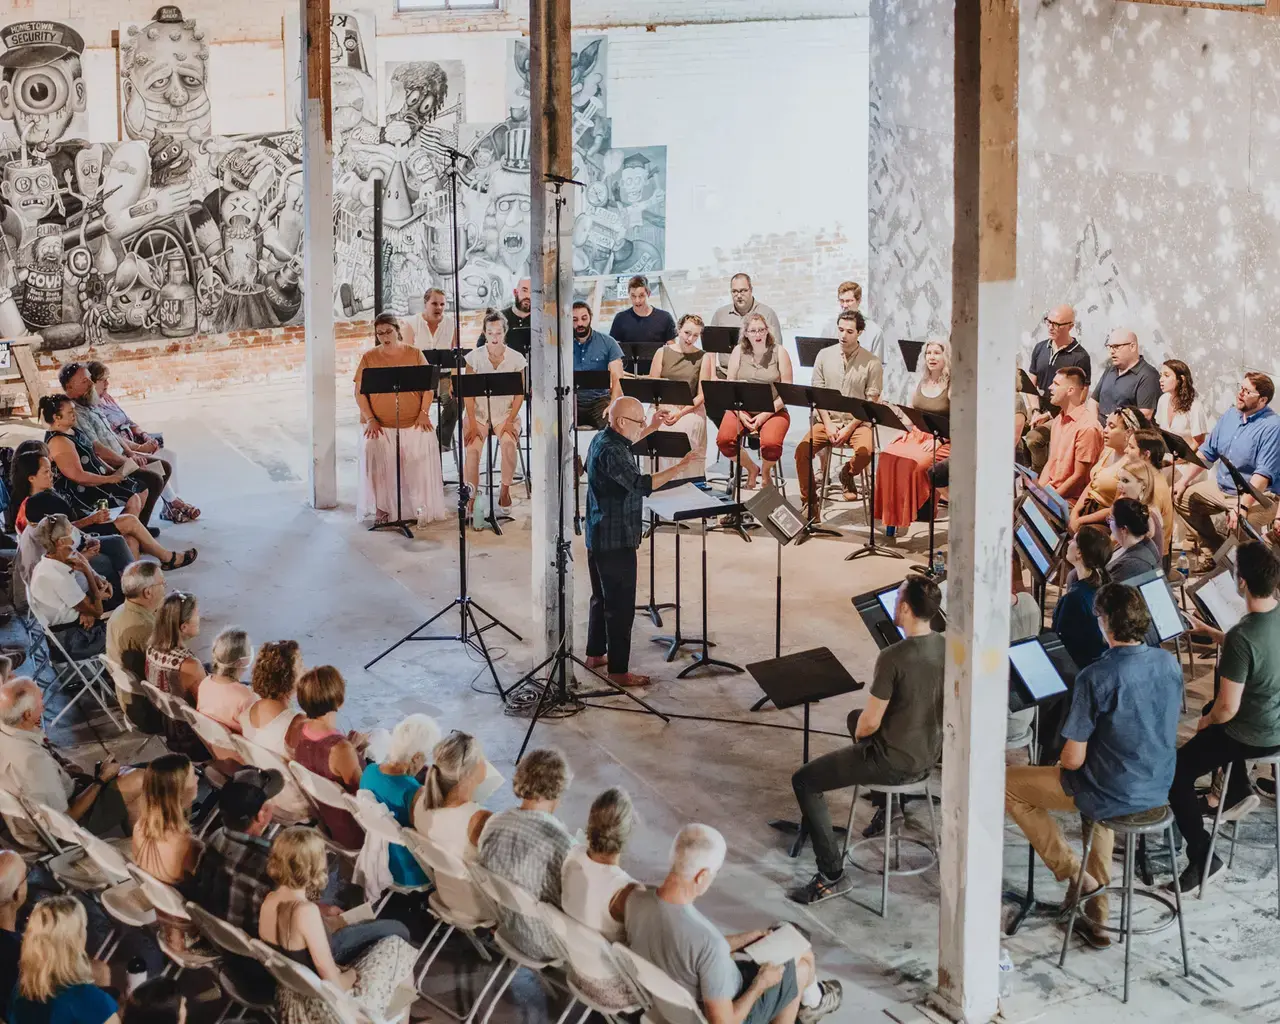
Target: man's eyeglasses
column 1112, row 346
column 1055, row 323
column 1245, row 389
column 630, row 419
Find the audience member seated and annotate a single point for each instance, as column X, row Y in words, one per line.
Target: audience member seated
column 157, row 1001
column 527, row 845
column 175, row 509
column 1248, row 435
column 1075, row 437
column 1088, row 552
column 1128, row 380
column 590, row 878
column 1118, row 757
column 1139, row 481
column 446, row 812
column 498, row 415
column 1243, row 721
column 369, row 960
column 173, row 668
column 57, row 982
column 759, row 357
column 855, row 372
column 163, row 844
column 268, row 721
column 130, row 627
column 665, row 927
column 13, row 894
column 1094, row 504
column 69, row 604
column 1179, row 409
column 681, row 359
column 98, row 802
column 153, row 473
column 320, row 747
column 232, row 881
column 902, row 476
column 222, row 694
column 1134, row 555
column 395, row 783
column 897, row 737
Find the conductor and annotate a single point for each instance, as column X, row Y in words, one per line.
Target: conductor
column 615, row 489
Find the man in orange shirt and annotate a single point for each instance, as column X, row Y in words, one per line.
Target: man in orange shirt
column 1075, row 437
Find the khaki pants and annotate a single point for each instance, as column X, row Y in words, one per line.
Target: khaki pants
column 1037, row 441
column 1204, row 499
column 819, row 441
column 507, row 442
column 1030, row 793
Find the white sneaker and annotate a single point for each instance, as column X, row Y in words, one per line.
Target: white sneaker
column 1243, row 809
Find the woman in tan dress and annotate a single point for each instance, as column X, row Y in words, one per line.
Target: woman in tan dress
column 681, row 359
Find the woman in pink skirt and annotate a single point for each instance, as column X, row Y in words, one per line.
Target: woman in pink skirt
column 902, row 475
column 421, row 479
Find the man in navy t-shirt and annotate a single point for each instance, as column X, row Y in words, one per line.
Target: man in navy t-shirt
column 1119, row 755
column 594, row 350
column 642, row 323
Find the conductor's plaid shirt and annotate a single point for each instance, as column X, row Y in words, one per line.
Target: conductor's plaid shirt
column 615, row 493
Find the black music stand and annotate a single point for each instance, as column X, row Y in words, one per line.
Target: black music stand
column 396, row 380
column 1179, row 448
column 802, row 678
column 667, row 444
column 807, row 349
column 910, row 353
column 637, row 356
column 939, row 425
column 813, row 399
column 583, row 380
column 1243, row 486
column 721, row 340
column 487, row 386
column 1027, row 384
column 782, row 519
column 726, row 396
column 877, row 415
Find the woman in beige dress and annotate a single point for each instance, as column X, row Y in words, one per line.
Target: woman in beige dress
column 682, row 359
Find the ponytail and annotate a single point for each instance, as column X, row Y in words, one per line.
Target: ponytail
column 51, row 405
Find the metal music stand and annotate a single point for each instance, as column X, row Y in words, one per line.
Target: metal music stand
column 397, row 380
column 1027, row 385
column 813, row 399
column 637, row 356
column 877, row 415
column 720, row 340
column 939, row 425
column 489, row 386
column 782, row 519
column 910, row 353
column 665, row 444
column 807, row 349
column 802, row 678
column 1243, row 486
column 587, row 380
column 726, row 396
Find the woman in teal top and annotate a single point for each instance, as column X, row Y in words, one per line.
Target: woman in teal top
column 56, row 983
column 395, row 784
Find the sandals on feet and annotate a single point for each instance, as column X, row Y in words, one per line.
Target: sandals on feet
column 180, row 559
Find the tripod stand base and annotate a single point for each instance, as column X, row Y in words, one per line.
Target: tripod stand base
column 736, row 525
column 654, row 611
column 800, row 831
column 674, row 643
column 704, row 660
column 402, row 525
column 491, row 521
column 814, row 530
column 871, row 549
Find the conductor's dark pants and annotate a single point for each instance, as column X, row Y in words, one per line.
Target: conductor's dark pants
column 613, row 605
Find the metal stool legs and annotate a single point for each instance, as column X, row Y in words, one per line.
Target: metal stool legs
column 893, row 843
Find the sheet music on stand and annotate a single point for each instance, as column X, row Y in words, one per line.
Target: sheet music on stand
column 689, row 501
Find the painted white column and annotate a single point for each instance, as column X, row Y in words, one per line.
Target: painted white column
column 317, row 303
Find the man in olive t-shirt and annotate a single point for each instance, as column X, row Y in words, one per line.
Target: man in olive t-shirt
column 897, row 737
column 1244, row 719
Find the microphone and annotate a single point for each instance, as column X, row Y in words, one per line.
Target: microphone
column 560, row 179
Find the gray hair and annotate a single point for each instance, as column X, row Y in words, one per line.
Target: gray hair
column 18, row 698
column 417, row 734
column 138, row 576
column 610, row 822
column 230, row 647
column 697, row 848
column 541, row 775
column 52, row 529
column 453, row 759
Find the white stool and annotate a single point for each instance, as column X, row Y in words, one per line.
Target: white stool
column 1274, row 761
column 920, row 787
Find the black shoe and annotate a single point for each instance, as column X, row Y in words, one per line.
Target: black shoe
column 876, row 825
column 1267, row 787
column 821, row 888
column 1188, row 882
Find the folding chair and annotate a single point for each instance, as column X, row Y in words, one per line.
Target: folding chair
column 666, row 1001
column 129, row 692
column 38, row 650
column 171, row 911
column 306, row 983
column 237, row 943
column 377, row 821
column 325, row 793
column 123, row 901
column 592, row 971
column 89, row 673
column 72, row 868
column 28, row 832
column 291, row 806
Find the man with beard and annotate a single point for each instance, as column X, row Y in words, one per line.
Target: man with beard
column 743, row 304
column 594, row 350
column 518, row 315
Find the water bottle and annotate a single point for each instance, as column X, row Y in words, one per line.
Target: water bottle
column 136, row 974
column 1184, row 566
column 422, row 517
column 939, row 564
column 481, row 512
column 1006, row 974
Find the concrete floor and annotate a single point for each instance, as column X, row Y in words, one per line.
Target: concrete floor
column 270, row 563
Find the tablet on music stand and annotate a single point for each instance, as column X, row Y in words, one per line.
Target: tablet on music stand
column 719, row 339
column 910, row 352
column 1032, row 554
column 1218, row 599
column 1026, row 385
column 1039, row 521
column 808, row 348
column 1031, row 665
column 1166, row 620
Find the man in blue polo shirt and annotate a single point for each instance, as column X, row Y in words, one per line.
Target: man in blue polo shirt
column 594, row 350
column 1249, row 436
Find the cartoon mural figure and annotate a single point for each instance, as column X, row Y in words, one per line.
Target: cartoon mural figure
column 41, row 83
column 164, row 83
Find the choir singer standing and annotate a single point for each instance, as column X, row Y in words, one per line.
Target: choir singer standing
column 615, row 490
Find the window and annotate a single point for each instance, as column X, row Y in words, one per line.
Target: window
column 449, row 5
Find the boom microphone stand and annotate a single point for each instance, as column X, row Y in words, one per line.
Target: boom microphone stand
column 470, row 632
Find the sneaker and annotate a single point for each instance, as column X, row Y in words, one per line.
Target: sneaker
column 832, row 997
column 1188, row 882
column 821, row 888
column 876, row 825
column 1242, row 809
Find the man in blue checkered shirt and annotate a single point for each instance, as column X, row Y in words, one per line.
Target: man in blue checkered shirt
column 615, row 491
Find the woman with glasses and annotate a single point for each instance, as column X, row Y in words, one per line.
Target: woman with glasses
column 757, row 358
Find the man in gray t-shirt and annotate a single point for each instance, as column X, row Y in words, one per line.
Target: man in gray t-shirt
column 665, row 928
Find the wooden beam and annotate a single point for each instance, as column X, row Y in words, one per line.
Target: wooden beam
column 998, row 128
column 317, row 186
column 551, row 272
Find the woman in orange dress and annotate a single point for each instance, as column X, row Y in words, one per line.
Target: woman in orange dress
column 902, row 474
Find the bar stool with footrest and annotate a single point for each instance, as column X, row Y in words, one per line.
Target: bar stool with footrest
column 1271, row 759
column 891, row 842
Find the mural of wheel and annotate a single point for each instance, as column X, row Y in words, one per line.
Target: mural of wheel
column 155, row 246
column 210, row 289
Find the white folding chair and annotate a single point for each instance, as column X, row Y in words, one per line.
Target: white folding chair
column 213, row 734
column 378, row 822
column 89, row 673
column 123, row 901
column 306, row 983
column 291, row 806
column 171, row 911
column 325, row 793
column 27, row 831
column 165, row 703
column 73, row 868
column 595, row 979
column 666, row 1001
column 238, row 943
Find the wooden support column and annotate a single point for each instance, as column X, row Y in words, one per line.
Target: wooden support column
column 551, row 262
column 317, row 184
column 983, row 338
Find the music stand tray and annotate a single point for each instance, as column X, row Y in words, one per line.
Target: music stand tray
column 398, row 380
column 910, row 353
column 807, row 349
column 637, row 356
column 1243, row 485
column 658, row 391
column 1181, row 450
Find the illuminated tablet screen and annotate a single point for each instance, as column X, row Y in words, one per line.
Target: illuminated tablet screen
column 1164, row 613
column 1035, row 669
column 889, row 602
column 1032, row 550
column 1036, row 517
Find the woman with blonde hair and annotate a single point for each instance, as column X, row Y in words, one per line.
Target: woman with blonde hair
column 162, row 842
column 221, row 694
column 1094, row 504
column 758, row 358
column 1137, row 479
column 902, row 475
column 173, row 668
column 395, row 783
column 268, row 720
column 56, row 978
column 369, row 960
column 683, row 360
column 446, row 811
column 590, row 877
